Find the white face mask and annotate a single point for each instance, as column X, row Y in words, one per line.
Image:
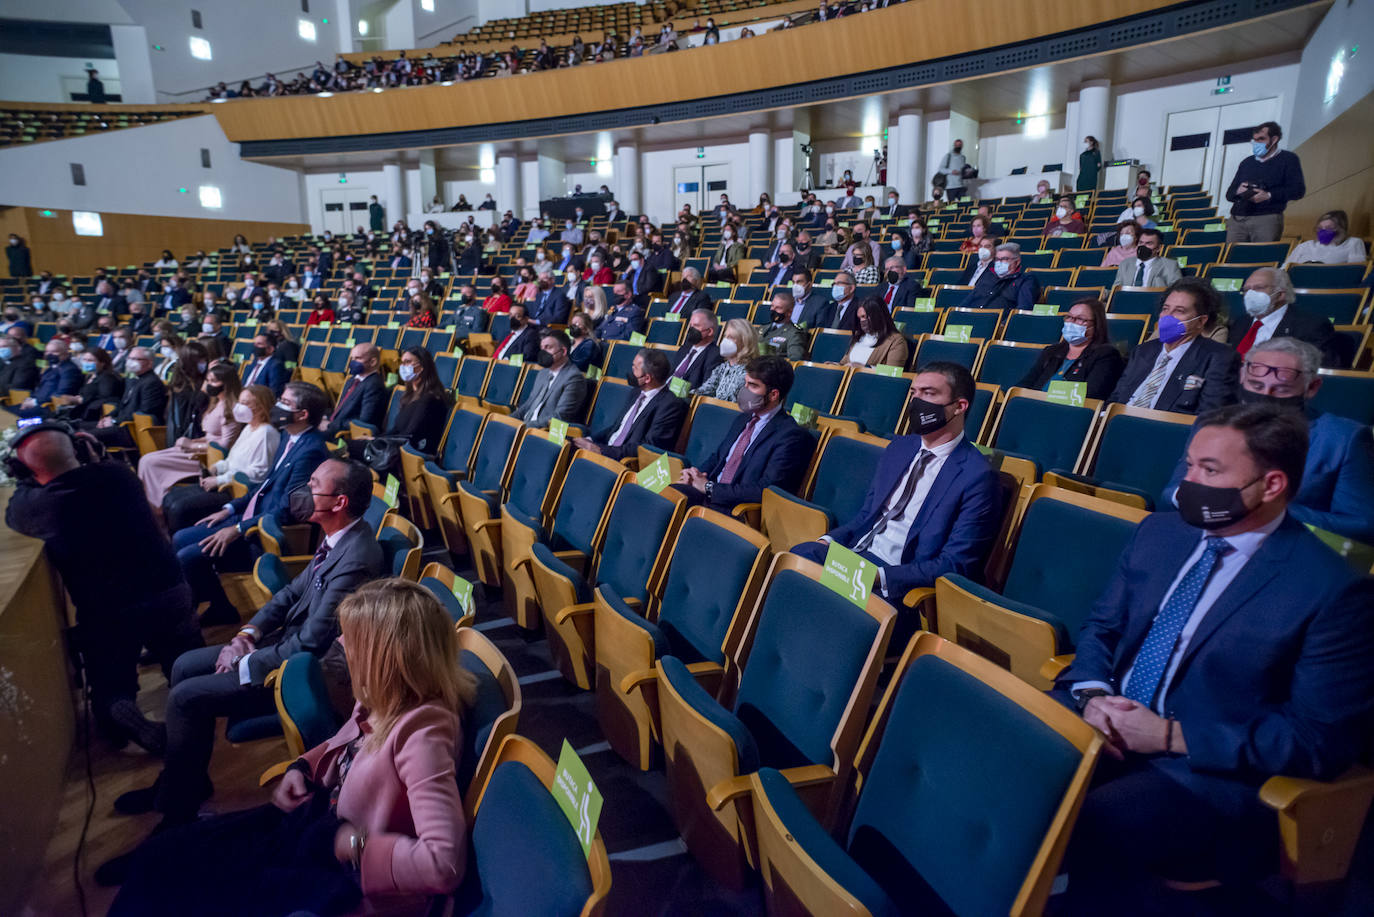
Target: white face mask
column 1257, row 303
column 984, row 254
column 168, row 353
column 728, row 347
column 1061, row 212
column 243, row 413
column 798, row 291
column 207, row 328
column 1127, row 240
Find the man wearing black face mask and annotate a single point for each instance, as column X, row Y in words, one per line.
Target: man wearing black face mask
column 699, row 354
column 522, row 340
column 560, row 390
column 1229, row 646
column 1338, row 478
column 763, row 448
column 625, row 319
column 265, row 368
column 364, row 395
column 653, row 418
column 933, row 475
column 780, row 335
column 899, row 291
column 215, row 544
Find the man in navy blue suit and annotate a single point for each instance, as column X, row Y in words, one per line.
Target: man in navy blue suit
column 1230, row 645
column 265, row 368
column 1337, row 490
column 933, row 506
column 215, row 544
column 764, row 446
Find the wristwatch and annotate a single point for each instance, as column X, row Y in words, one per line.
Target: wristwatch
column 710, row 486
column 1082, row 696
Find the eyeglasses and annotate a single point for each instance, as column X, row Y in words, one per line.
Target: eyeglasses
column 1075, row 320
column 1283, row 374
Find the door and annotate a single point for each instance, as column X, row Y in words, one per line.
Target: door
column 1188, row 137
column 701, row 186
column 344, row 209
column 687, row 188
column 1204, row 146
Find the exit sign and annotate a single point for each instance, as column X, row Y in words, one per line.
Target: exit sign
column 701, row 152
column 1223, row 81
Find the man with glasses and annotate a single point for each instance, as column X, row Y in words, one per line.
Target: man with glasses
column 1338, row 478
column 1014, row 287
column 1270, row 313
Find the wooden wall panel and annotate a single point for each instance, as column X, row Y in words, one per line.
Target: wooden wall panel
column 129, row 238
column 914, row 31
column 1338, row 166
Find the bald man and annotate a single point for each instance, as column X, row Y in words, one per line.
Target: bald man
column 364, row 395
column 117, row 565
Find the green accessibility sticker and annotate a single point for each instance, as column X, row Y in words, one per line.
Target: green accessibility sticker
column 883, row 369
column 1045, row 308
column 593, row 372
column 1071, row 393
column 848, row 574
column 637, row 338
column 462, row 591
column 803, row 415
column 960, row 334
column 655, row 475
column 558, row 431
column 679, row 386
column 393, row 490
column 577, row 796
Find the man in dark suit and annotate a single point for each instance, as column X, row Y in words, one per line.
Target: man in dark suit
column 1270, row 313
column 779, row 273
column 523, row 338
column 61, row 377
column 898, row 291
column 143, row 394
column 624, row 319
column 700, row 353
column 842, row 315
column 1230, row 645
column 812, row 307
column 550, row 306
column 642, row 280
column 81, row 314
column 509, row 226
column 265, row 368
column 653, row 418
column 934, row 505
column 763, row 448
column 1182, row 370
column 1014, row 288
column 808, row 256
column 174, row 296
column 107, row 301
column 227, row 680
column 690, row 296
column 278, row 269
column 560, row 389
column 1338, row 479
column 364, row 395
column 18, row 359
column 215, row 544
column 140, row 321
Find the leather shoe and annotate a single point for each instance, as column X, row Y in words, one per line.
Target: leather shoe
column 149, row 735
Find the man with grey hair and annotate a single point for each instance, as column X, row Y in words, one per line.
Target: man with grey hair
column 690, row 296
column 1014, row 288
column 1270, row 313
column 700, row 353
column 550, row 305
column 1338, row 477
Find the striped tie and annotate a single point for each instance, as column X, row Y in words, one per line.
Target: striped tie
column 1145, row 395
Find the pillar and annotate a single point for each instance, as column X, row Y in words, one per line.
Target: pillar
column 507, row 186
column 135, row 66
column 343, row 19
column 760, row 177
column 553, row 177
column 429, row 180
column 393, row 195
column 529, row 189
column 627, row 178
column 905, row 171
column 1094, row 103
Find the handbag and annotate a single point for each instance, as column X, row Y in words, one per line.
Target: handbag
column 383, row 453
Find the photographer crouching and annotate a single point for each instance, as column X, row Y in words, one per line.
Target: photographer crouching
column 117, row 565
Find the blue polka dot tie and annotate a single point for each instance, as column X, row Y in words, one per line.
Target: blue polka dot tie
column 1153, row 659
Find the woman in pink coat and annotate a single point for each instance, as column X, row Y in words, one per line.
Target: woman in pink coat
column 370, row 821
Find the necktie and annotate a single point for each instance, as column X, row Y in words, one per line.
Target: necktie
column 257, row 368
column 629, row 421
column 1249, row 340
column 924, row 458
column 253, row 501
column 1145, row 395
column 320, row 555
column 1153, row 659
column 887, row 298
column 727, row 475
column 1139, row 275
column 540, row 399
column 343, row 396
column 681, row 301
column 686, row 364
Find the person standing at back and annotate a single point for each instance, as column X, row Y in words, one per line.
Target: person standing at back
column 1089, row 165
column 952, row 167
column 1265, row 183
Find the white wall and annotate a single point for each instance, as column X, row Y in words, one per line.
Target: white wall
column 937, row 145
column 832, row 157
column 1005, row 145
column 30, row 78
column 361, row 184
column 134, row 64
column 1346, row 25
column 450, row 17
column 139, row 170
column 67, row 10
column 656, row 175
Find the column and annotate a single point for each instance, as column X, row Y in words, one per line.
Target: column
column 553, row 177
column 135, row 66
column 1094, row 102
column 507, row 186
column 393, row 196
column 792, row 176
column 343, row 18
column 905, row 167
column 399, row 26
column 760, row 177
column 429, row 180
column 529, row 189
column 627, row 178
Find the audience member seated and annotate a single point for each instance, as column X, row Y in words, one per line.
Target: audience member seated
column 875, row 341
column 727, row 255
column 653, row 418
column 624, row 319
column 699, row 355
column 980, row 269
column 642, row 280
column 423, row 312
column 265, row 368
column 1333, row 244
column 385, row 783
column 1182, row 370
column 841, row 315
column 227, row 680
column 933, row 474
column 861, row 262
column 116, row 564
column 498, row 300
column 781, row 335
column 1124, row 246
column 811, row 306
column 160, row 471
column 251, row 456
column 560, row 390
column 739, row 345
column 364, row 396
column 103, row 385
column 1043, row 194
column 321, row 312
column 1083, row 354
column 690, row 296
column 1065, row 219
column 186, row 398
column 978, row 231
column 1140, row 212
column 764, row 447
column 899, row 290
column 1011, row 286
column 523, row 338
column 215, row 544
column 587, row 348
column 144, row 393
column 1338, row 477
column 61, row 377
column 1270, row 313
column 1147, row 268
column 1229, row 646
column 419, row 423
column 550, row 306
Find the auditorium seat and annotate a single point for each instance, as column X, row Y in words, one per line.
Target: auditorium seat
column 875, row 400
column 493, row 715
column 1048, row 434
column 1133, row 457
column 1005, row 363
column 441, row 580
column 402, row 544
column 832, row 494
column 815, row 386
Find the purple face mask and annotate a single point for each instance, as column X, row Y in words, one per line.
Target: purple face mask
column 1171, row 329
column 1326, row 236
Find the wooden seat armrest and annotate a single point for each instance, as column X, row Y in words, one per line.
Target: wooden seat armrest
column 727, row 790
column 635, row 680
column 922, row 599
column 574, row 611
column 742, row 510
column 707, row 673
column 1054, row 665
column 1319, row 822
column 801, row 778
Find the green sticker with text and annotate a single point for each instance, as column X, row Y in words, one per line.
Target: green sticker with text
column 577, row 796
column 883, row 369
column 392, row 326
column 655, row 475
column 923, row 304
column 326, row 325
column 848, row 574
column 1071, row 393
column 393, row 490
column 803, row 415
column 961, row 334
column 1214, row 227
column 672, row 317
column 679, row 386
column 637, row 338
column 1182, row 260
column 1045, row 308
column 462, row 591
column 558, row 431
column 516, row 359
column 1359, row 555
column 1227, row 284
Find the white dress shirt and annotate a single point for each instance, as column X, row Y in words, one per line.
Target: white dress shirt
column 630, row 418
column 1228, row 567
column 1269, row 324
column 1174, row 356
column 510, row 342
column 251, row 454
column 889, row 544
column 689, row 359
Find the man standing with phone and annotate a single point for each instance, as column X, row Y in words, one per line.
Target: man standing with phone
column 1265, row 183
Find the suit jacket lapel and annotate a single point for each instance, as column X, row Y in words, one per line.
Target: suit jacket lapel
column 1173, row 386
column 1152, row 592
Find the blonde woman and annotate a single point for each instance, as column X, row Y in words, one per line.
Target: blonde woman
column 739, row 343
column 594, row 303
column 370, row 820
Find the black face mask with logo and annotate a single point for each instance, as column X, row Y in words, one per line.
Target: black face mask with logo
column 1209, row 508
column 927, row 416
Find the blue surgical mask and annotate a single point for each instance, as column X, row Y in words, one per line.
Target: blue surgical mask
column 6, row 353
column 88, row 366
column 1001, row 267
column 1258, row 148
column 407, row 372
column 1074, row 334
column 837, row 293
